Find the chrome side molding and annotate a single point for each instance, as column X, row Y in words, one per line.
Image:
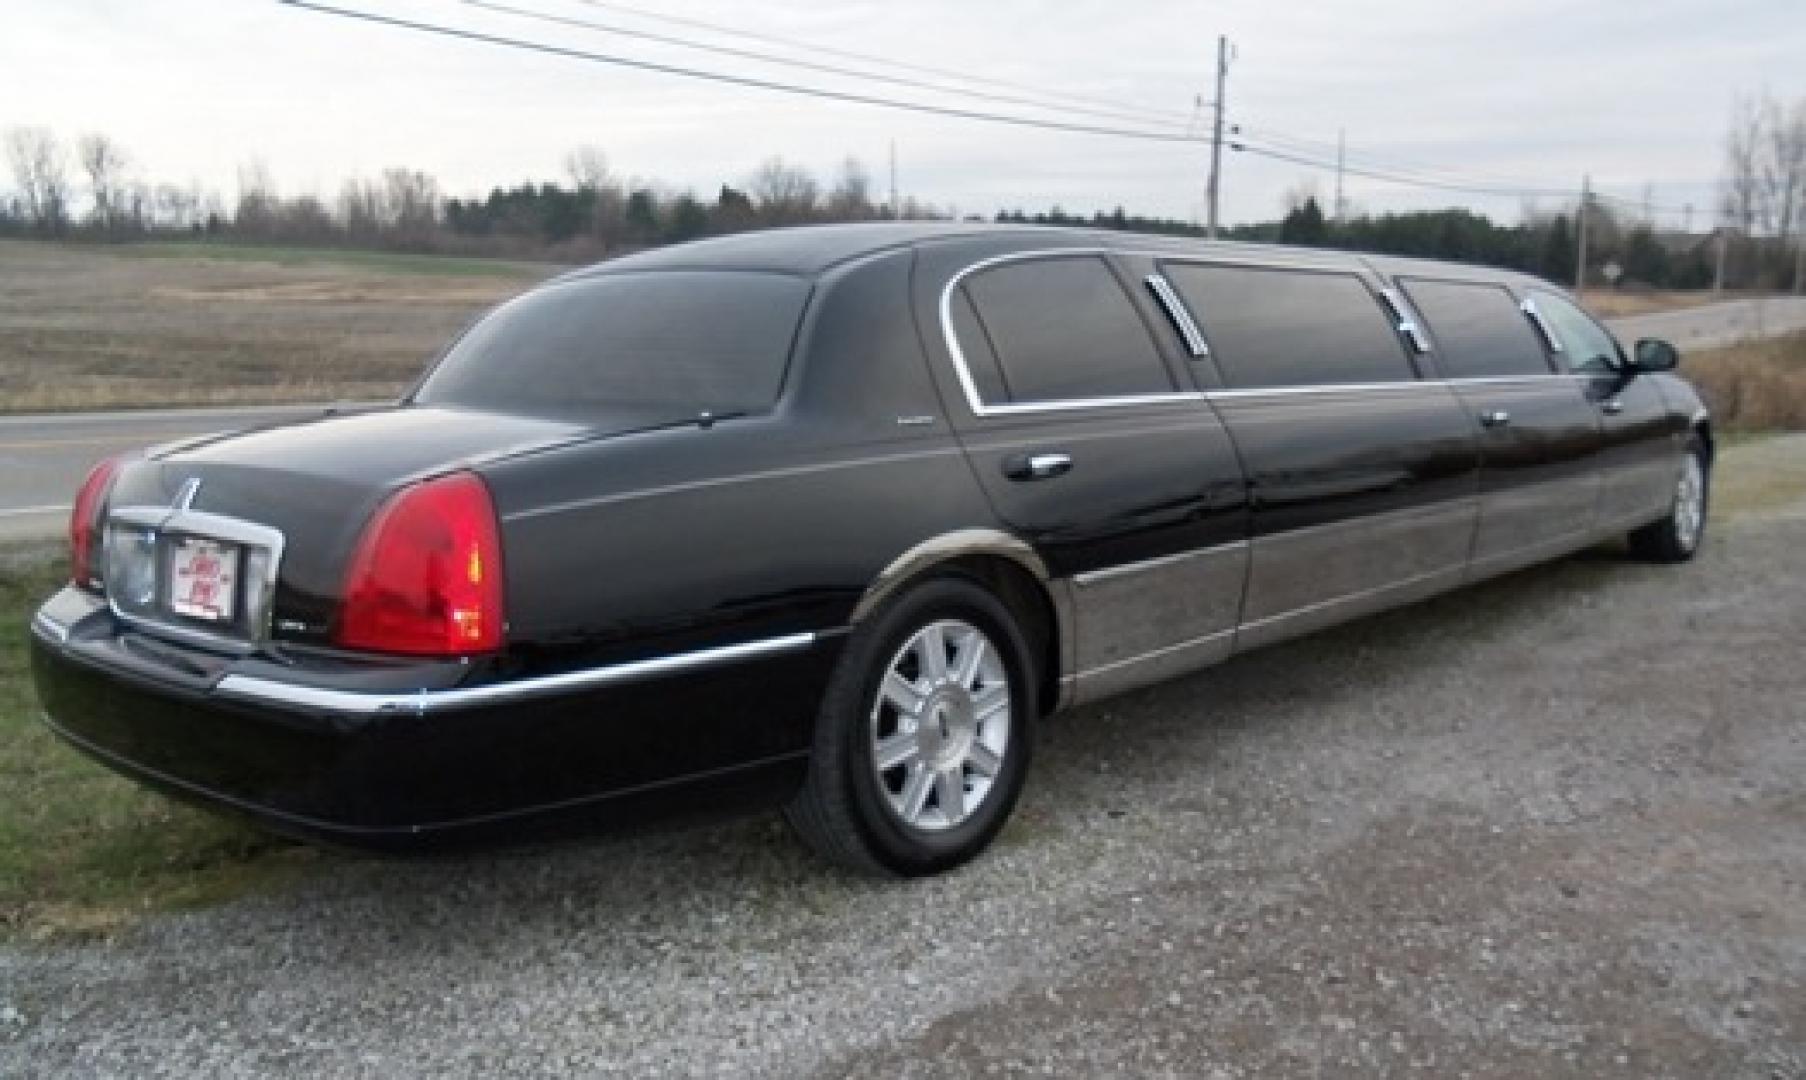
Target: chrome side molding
column 354, row 703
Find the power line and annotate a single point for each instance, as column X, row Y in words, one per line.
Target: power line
column 1397, row 178
column 1399, row 171
column 1324, row 149
column 739, row 80
column 1441, row 185
column 848, row 54
column 807, row 65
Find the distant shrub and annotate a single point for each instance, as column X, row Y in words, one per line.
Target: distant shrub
column 1757, row 386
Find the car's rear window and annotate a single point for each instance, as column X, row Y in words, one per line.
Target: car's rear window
column 681, row 341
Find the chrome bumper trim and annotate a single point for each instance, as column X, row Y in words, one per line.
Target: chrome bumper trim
column 49, row 629
column 355, row 703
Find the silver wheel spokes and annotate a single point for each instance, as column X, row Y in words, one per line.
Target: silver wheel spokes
column 941, row 725
column 1690, row 504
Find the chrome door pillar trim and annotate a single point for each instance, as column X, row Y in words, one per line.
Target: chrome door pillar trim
column 1180, row 317
column 1543, row 329
column 1406, row 320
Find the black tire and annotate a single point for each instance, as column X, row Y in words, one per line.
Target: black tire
column 1673, row 539
column 845, row 810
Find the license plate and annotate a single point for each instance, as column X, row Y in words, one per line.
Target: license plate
column 203, row 579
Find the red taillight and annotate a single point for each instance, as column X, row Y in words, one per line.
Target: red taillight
column 427, row 575
column 84, row 522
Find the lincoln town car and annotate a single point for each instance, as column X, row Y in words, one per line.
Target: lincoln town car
column 826, row 519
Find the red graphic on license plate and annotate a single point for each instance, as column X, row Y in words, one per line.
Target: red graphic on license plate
column 203, row 579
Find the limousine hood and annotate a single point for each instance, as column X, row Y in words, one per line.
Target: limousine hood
column 319, row 481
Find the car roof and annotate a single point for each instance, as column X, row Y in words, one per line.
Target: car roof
column 815, row 249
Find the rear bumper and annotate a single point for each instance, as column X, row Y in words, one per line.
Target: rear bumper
column 414, row 756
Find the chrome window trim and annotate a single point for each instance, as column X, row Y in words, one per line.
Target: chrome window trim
column 1407, row 321
column 249, row 534
column 1179, row 315
column 358, row 703
column 964, row 373
column 1528, row 307
column 1382, row 387
column 980, row 409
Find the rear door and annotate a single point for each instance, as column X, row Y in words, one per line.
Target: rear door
column 1089, row 447
column 1640, row 461
column 1363, row 476
column 1539, row 436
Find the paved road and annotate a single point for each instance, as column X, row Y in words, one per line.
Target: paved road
column 1717, row 324
column 43, row 458
column 1554, row 826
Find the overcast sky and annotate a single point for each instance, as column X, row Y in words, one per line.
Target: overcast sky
column 1531, row 93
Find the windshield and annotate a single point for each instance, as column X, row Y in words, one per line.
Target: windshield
column 677, row 342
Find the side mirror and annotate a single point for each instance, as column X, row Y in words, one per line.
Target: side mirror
column 1654, row 354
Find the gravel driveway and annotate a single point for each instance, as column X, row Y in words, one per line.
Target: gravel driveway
column 1553, row 826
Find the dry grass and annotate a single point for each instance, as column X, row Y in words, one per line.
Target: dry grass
column 1612, row 304
column 1756, row 386
column 89, row 328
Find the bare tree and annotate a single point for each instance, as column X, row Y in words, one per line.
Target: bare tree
column 587, row 166
column 784, row 194
column 259, row 211
column 411, row 201
column 39, row 168
column 1741, row 189
column 1784, row 164
column 105, row 162
column 851, row 198
column 360, row 209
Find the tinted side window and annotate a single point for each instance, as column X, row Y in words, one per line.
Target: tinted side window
column 1062, row 328
column 1478, row 329
column 1290, row 327
column 1585, row 345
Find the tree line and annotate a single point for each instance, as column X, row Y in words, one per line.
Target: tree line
column 91, row 189
column 590, row 213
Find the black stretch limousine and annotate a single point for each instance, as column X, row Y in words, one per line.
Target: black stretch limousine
column 828, row 517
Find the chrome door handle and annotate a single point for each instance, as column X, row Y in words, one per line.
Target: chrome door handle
column 1495, row 418
column 1612, row 407
column 1036, row 466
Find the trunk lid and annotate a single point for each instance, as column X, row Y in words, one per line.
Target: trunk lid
column 295, row 498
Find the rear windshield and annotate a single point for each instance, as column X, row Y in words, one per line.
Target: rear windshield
column 672, row 341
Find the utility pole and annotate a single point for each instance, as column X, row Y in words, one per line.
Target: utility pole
column 896, row 211
column 1687, row 219
column 1718, row 273
column 1580, row 230
column 1341, row 154
column 1216, row 135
